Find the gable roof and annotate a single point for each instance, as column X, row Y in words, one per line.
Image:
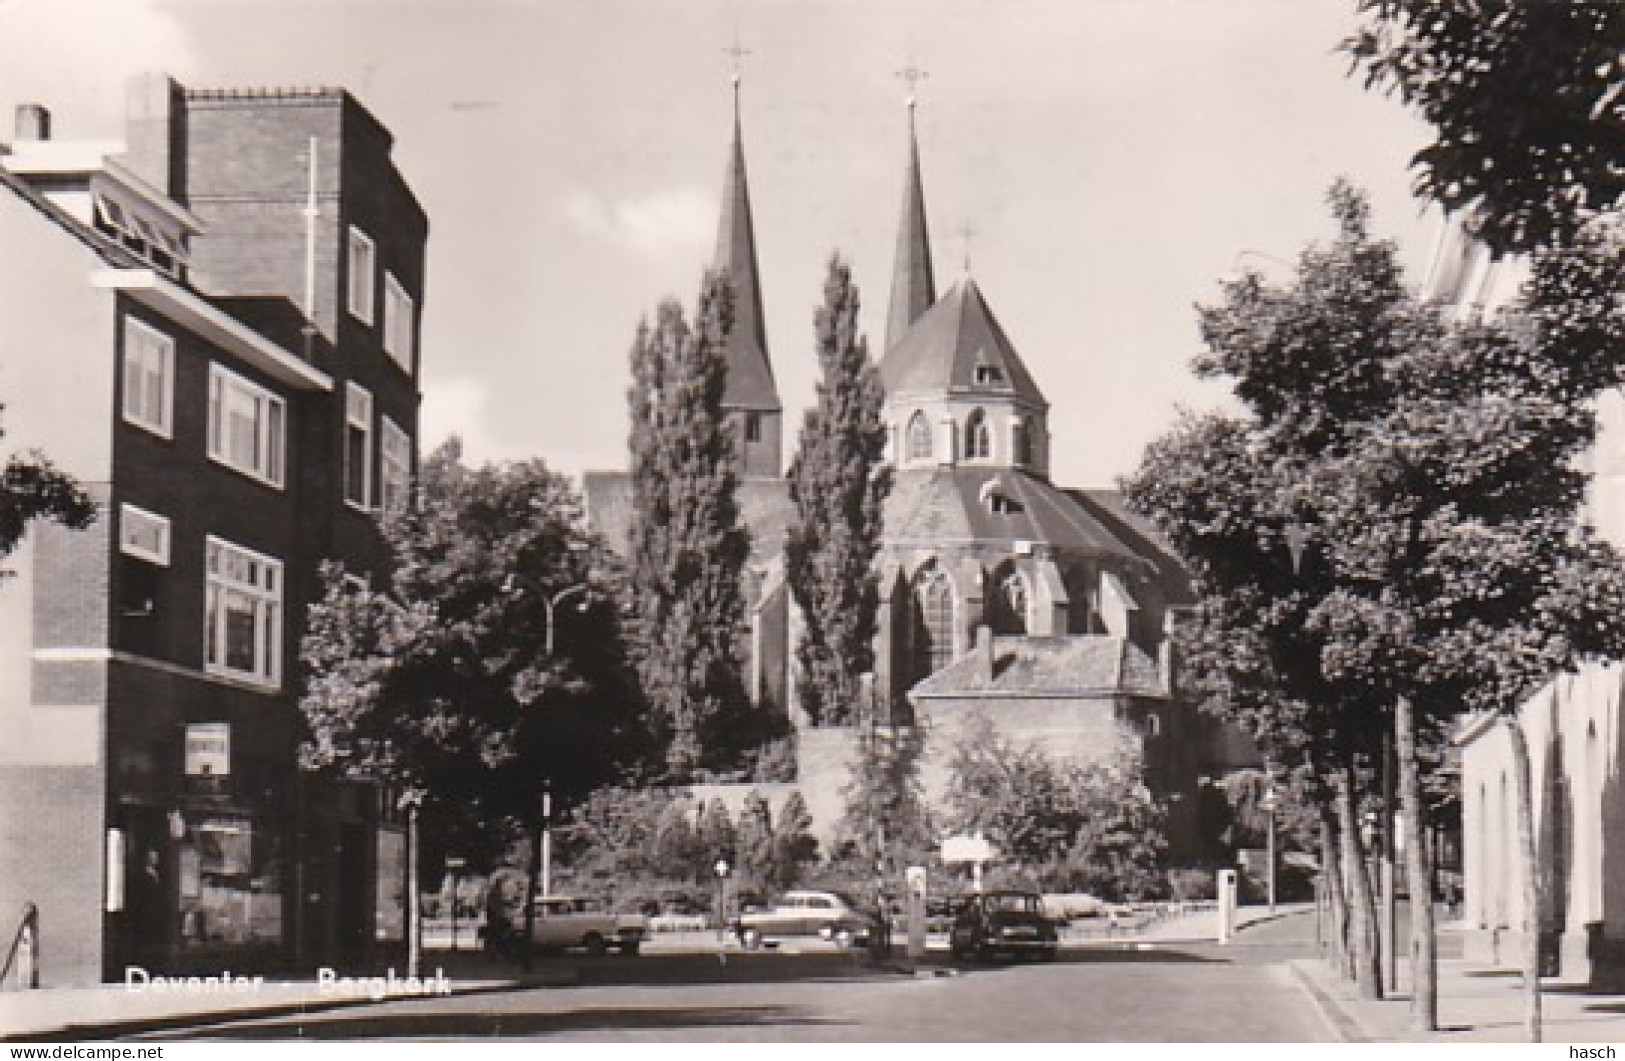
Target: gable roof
column 933, row 506
column 944, row 349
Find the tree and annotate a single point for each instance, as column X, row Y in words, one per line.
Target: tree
column 1527, row 100
column 794, row 846
column 755, row 844
column 885, row 823
column 688, row 549
column 491, row 661
column 32, row 488
column 1062, row 826
column 838, row 484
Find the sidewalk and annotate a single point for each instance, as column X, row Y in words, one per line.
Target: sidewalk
column 1477, row 1003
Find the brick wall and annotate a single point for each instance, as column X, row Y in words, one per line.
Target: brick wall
column 52, row 832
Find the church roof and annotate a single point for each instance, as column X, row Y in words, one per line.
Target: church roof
column 750, row 373
column 913, row 288
column 1084, row 665
column 1126, row 525
column 931, row 506
column 958, row 346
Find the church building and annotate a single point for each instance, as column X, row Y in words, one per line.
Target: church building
column 1003, row 596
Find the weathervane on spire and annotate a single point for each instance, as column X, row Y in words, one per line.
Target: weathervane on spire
column 735, row 55
column 967, row 237
column 913, row 75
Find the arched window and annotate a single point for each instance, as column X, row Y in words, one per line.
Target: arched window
column 1021, row 438
column 978, row 437
column 919, row 437
column 1008, row 606
column 931, row 637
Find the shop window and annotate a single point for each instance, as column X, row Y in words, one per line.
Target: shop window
column 230, row 870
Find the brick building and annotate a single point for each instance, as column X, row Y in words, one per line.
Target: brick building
column 212, row 324
column 1003, row 595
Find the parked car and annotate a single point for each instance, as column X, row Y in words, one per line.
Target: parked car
column 826, row 915
column 1009, row 923
column 564, row 922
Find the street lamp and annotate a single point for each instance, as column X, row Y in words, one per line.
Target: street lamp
column 722, row 868
column 1268, row 805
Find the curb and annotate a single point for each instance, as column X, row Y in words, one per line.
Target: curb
column 1341, row 1024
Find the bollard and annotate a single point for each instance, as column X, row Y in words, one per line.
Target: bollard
column 1227, row 904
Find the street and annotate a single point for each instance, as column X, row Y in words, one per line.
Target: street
column 1168, row 992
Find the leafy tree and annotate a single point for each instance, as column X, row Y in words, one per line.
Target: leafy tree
column 885, row 823
column 838, row 483
column 474, row 676
column 794, row 846
column 756, row 845
column 32, row 488
column 1062, row 826
column 714, row 838
column 1527, row 99
column 688, row 547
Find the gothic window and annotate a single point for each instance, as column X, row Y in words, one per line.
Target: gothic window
column 1010, row 603
column 919, row 437
column 978, row 437
column 931, row 640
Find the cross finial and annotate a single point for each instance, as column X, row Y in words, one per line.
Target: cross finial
column 736, row 54
column 913, row 75
column 967, row 237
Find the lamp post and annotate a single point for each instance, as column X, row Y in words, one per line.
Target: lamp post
column 410, row 801
column 722, row 868
column 1268, row 804
column 454, row 867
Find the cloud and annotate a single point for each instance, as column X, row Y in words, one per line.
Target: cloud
column 675, row 225
column 460, row 406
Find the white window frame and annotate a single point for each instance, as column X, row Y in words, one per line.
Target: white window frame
column 399, row 322
column 264, row 588
column 131, row 517
column 394, row 466
column 141, row 337
column 363, row 278
column 271, row 442
column 358, row 416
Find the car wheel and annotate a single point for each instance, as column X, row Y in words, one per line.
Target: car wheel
column 844, row 937
column 751, row 938
column 595, row 945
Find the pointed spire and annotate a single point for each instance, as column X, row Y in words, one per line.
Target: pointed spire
column 913, row 288
column 750, row 374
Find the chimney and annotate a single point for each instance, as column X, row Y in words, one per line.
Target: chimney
column 155, row 132
column 33, row 122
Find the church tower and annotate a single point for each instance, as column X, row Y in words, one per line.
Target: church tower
column 751, row 399
column 913, row 288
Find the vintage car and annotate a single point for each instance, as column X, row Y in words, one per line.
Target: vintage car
column 1008, row 923
column 563, row 922
column 826, row 915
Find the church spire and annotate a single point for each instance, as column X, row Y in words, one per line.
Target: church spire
column 913, row 288
column 751, row 397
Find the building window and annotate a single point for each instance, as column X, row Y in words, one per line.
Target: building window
column 1009, row 605
column 143, row 535
column 363, row 266
column 753, row 427
column 397, row 322
column 149, row 377
column 243, row 614
column 978, row 437
column 247, row 426
column 357, row 445
column 989, row 375
column 919, row 437
column 1021, row 442
column 395, row 471
column 931, row 640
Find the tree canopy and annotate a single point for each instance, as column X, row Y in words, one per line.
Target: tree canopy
column 31, row 488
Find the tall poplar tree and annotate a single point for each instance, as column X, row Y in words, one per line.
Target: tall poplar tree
column 838, row 484
column 688, row 547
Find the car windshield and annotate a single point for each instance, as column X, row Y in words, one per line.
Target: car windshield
column 1013, row 904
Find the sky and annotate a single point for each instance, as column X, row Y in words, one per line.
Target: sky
column 1099, row 165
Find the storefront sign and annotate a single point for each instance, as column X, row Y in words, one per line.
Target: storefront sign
column 208, row 749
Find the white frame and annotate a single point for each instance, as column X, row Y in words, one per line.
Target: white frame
column 164, row 345
column 400, row 330
column 274, row 445
column 394, row 455
column 355, row 393
column 361, row 287
column 269, row 613
column 131, row 514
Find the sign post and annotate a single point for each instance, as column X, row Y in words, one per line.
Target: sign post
column 915, row 876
